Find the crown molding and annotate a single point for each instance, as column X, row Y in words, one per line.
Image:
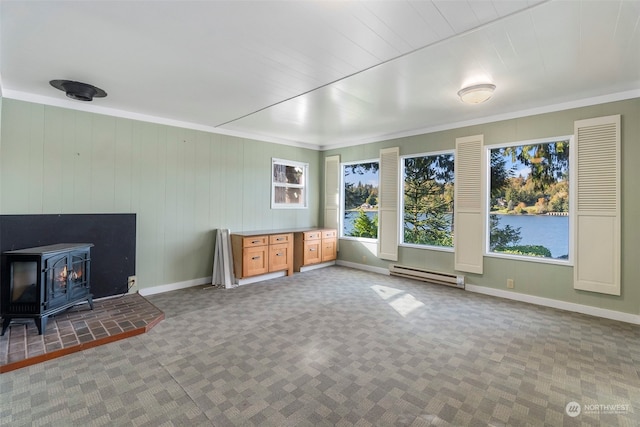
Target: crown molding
column 93, row 108
column 585, row 102
column 97, row 109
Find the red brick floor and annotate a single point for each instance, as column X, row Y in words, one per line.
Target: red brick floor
column 77, row 329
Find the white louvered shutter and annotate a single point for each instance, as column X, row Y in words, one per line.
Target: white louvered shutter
column 388, row 204
column 597, row 211
column 469, row 204
column 332, row 192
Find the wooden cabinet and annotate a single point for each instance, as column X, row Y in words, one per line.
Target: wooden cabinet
column 329, row 245
column 314, row 247
column 280, row 252
column 258, row 254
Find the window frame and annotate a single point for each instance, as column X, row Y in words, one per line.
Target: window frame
column 342, row 201
column 570, row 215
column 401, row 241
column 304, row 186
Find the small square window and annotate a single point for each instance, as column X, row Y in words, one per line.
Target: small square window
column 289, row 184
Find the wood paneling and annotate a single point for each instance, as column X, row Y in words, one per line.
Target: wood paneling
column 182, row 184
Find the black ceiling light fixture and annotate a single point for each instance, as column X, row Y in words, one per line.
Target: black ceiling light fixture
column 78, row 90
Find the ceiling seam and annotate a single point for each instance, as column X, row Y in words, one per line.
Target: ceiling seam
column 438, row 42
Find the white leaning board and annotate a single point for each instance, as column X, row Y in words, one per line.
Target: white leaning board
column 223, row 260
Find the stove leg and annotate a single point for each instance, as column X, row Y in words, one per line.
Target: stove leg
column 90, row 301
column 41, row 324
column 5, row 325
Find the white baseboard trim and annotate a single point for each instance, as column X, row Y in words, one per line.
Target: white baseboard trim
column 261, row 278
column 364, row 267
column 316, row 266
column 174, row 286
column 562, row 305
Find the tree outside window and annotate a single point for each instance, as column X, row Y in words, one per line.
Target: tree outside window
column 428, row 194
column 360, row 199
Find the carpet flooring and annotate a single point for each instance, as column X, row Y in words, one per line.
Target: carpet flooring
column 341, row 347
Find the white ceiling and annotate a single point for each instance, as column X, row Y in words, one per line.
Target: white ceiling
column 321, row 73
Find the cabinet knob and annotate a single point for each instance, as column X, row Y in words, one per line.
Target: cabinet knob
column 278, row 254
column 255, row 257
column 255, row 241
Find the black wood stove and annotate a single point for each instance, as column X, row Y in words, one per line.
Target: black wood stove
column 42, row 281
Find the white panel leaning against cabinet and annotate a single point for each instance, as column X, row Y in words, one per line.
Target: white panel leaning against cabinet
column 222, row 260
column 597, row 206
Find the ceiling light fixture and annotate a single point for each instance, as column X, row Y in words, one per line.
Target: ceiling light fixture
column 476, row 94
column 77, row 90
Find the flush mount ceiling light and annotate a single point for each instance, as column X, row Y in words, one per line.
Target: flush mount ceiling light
column 78, row 90
column 476, row 94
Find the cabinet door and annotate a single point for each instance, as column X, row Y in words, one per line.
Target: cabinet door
column 279, row 257
column 328, row 249
column 312, row 252
column 255, row 261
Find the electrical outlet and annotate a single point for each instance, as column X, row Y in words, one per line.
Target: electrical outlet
column 132, row 283
column 510, row 283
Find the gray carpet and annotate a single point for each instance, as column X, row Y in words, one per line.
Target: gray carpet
column 341, row 347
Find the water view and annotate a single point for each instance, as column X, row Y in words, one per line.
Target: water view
column 549, row 231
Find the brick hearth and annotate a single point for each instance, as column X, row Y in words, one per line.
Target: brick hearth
column 77, row 329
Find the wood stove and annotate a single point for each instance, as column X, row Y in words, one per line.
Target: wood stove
column 45, row 280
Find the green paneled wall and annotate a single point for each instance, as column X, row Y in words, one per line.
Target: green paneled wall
column 542, row 280
column 182, row 184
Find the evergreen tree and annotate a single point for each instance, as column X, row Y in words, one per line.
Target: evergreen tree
column 427, row 200
column 363, row 226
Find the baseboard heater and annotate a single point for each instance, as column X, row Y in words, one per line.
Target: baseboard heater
column 427, row 275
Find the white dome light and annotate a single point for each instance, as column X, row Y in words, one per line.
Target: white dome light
column 476, row 94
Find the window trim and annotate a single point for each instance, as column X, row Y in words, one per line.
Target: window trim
column 304, row 185
column 342, row 210
column 487, row 191
column 401, row 241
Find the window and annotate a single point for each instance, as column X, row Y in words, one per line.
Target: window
column 288, row 184
column 360, row 199
column 427, row 203
column 529, row 199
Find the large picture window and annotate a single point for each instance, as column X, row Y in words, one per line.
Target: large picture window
column 529, row 199
column 360, row 199
column 288, row 184
column 427, row 205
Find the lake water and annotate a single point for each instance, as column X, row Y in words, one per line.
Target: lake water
column 549, row 231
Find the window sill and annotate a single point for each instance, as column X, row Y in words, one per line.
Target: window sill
column 430, row 248
column 540, row 260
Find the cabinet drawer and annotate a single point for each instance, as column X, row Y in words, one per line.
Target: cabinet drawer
column 312, row 235
column 255, row 261
column 312, row 252
column 279, row 256
column 248, row 242
column 327, row 234
column 280, row 238
column 328, row 249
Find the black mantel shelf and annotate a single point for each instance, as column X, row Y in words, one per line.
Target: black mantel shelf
column 49, row 249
